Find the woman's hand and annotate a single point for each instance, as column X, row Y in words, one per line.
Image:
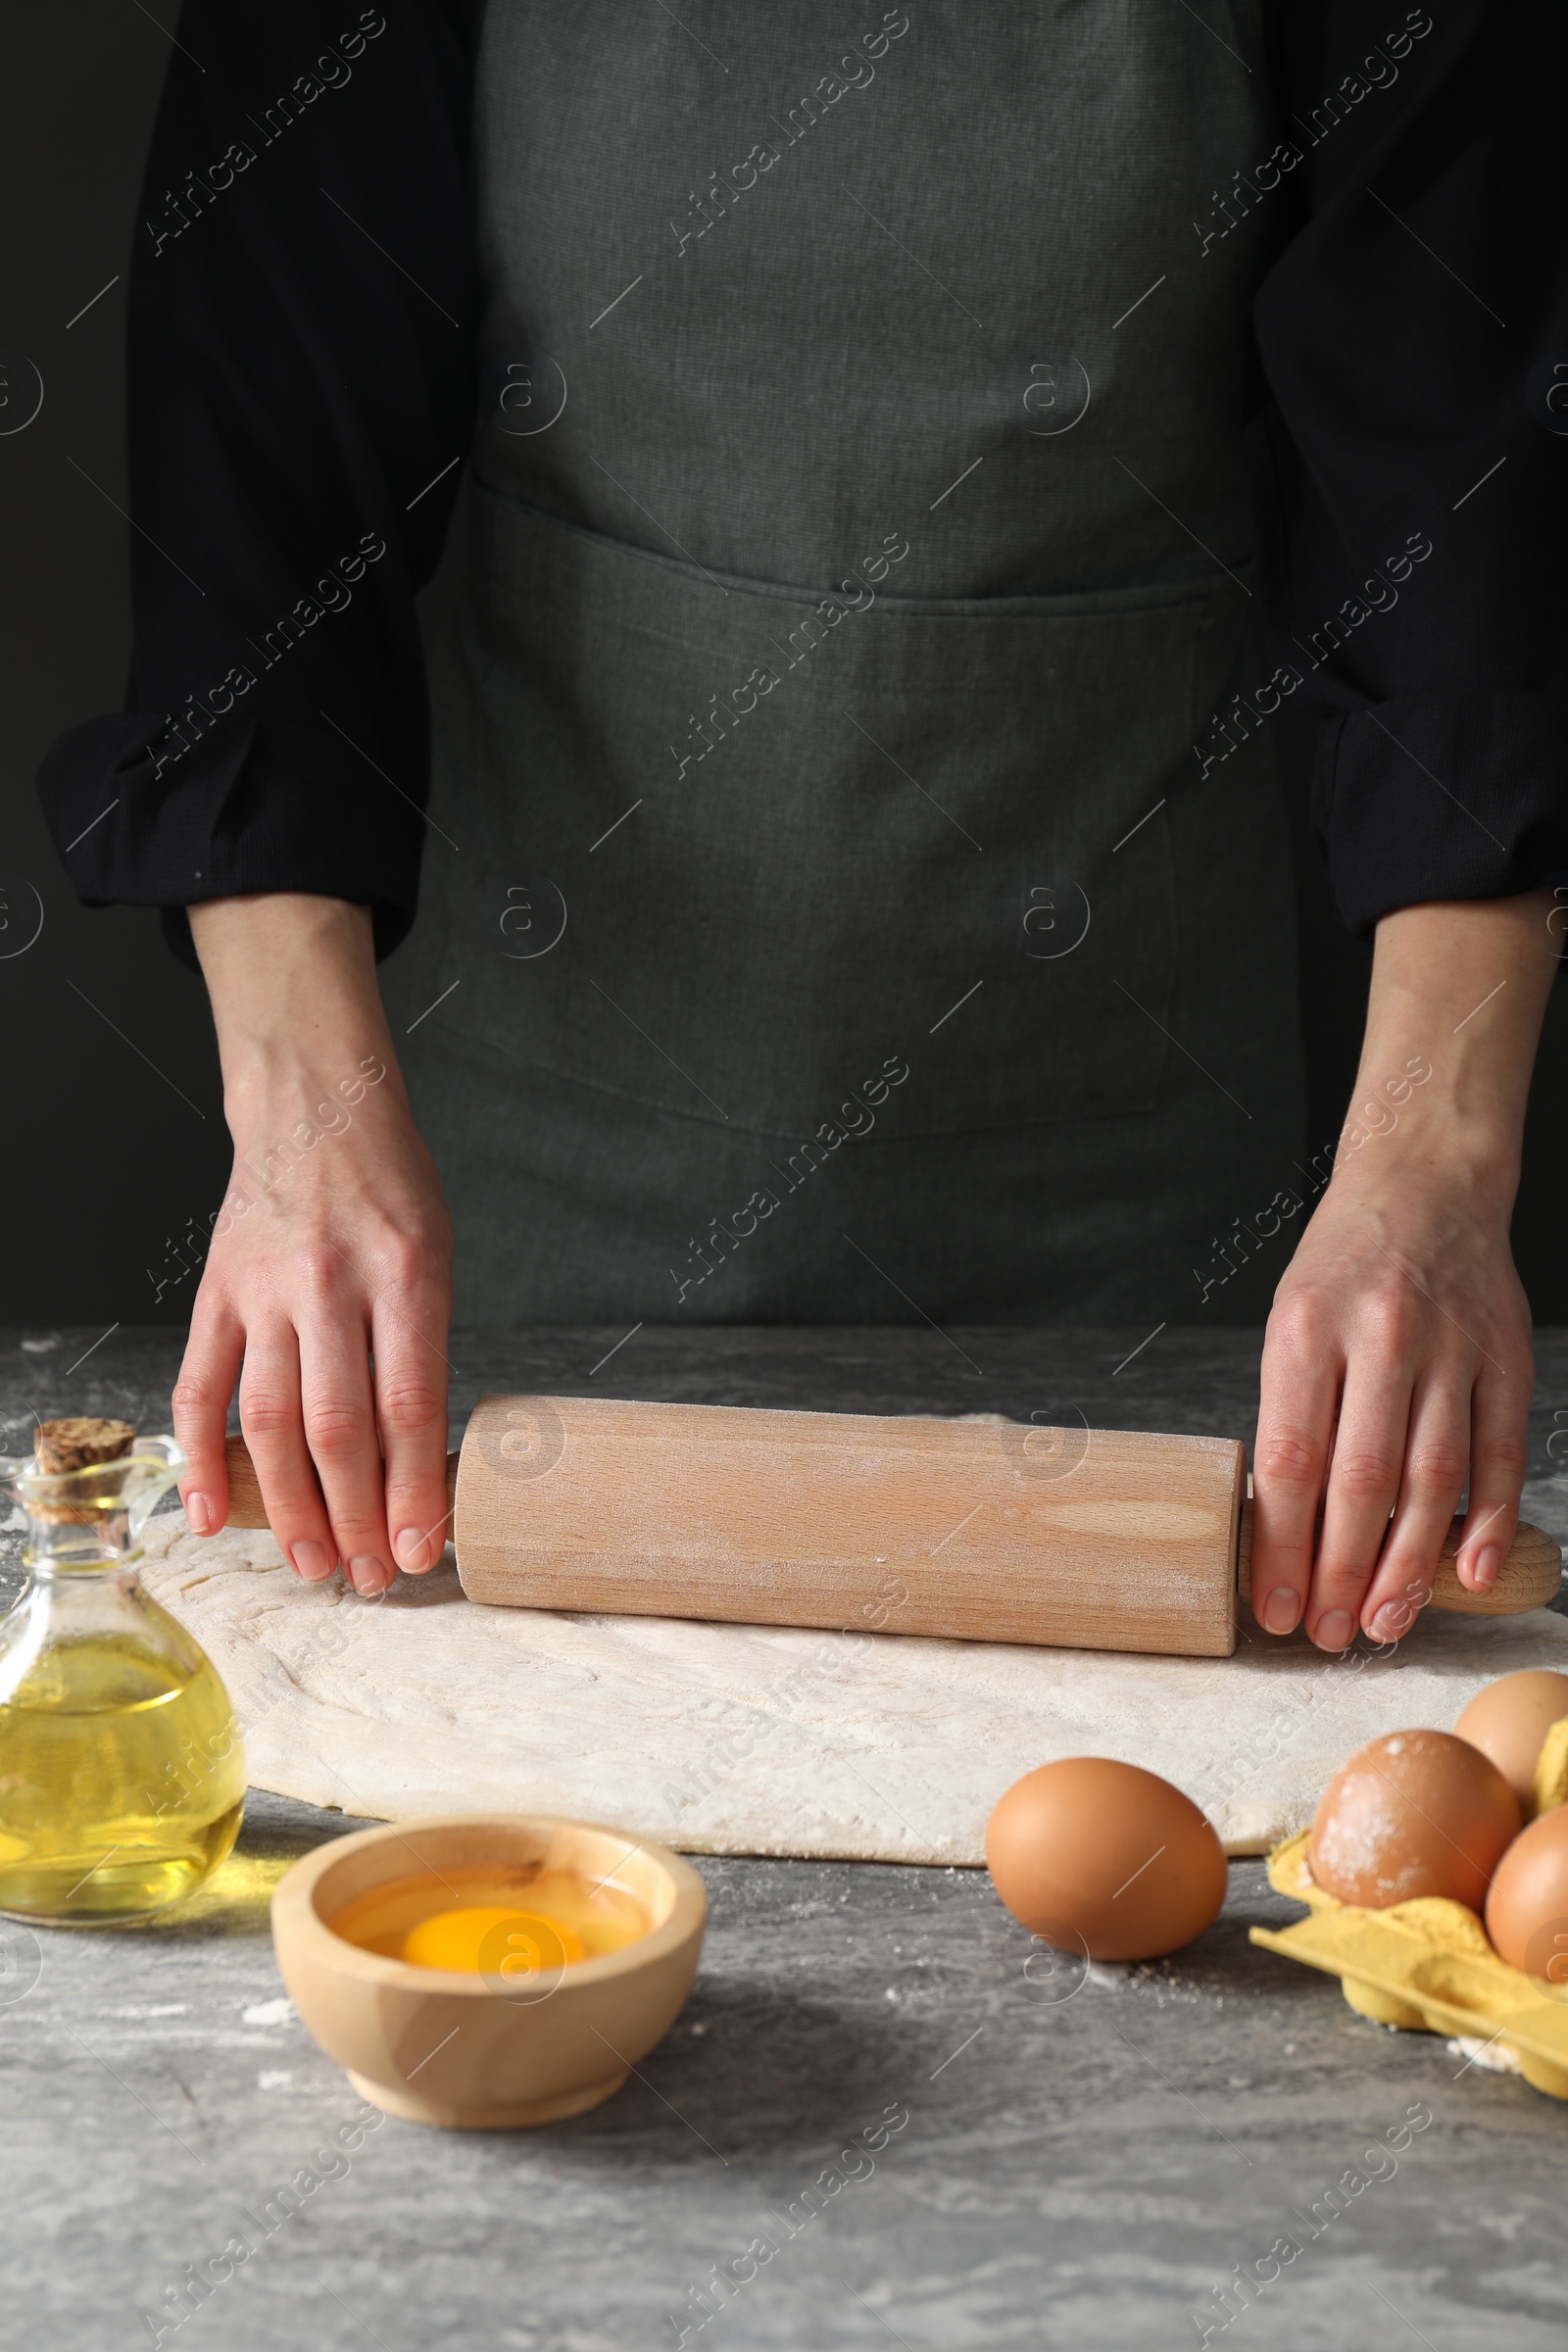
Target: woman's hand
column 330, row 1273
column 1398, row 1361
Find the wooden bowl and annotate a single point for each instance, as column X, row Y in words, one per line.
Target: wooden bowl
column 442, row 2045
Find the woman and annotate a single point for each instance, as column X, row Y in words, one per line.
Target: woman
column 853, row 876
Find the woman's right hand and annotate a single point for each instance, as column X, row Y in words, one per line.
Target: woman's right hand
column 327, row 1288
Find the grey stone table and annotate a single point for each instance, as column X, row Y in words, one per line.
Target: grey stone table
column 1075, row 2163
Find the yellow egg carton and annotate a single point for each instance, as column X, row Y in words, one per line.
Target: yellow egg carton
column 1551, row 1772
column 1427, row 1964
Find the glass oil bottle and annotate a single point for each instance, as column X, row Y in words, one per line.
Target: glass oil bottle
column 121, row 1768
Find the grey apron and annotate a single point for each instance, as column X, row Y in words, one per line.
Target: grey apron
column 824, row 913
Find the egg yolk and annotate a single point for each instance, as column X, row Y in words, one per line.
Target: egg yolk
column 501, row 1923
column 503, row 1942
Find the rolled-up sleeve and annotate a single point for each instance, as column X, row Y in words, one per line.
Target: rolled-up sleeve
column 1413, row 335
column 301, row 322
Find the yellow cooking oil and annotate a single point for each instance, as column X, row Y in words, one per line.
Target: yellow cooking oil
column 122, row 1769
column 514, row 1924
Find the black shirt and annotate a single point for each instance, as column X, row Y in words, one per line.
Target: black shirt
column 300, row 402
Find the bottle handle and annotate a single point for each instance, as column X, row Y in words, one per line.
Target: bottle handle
column 155, row 1465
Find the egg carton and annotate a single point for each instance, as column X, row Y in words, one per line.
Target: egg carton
column 1550, row 1785
column 1428, row 1966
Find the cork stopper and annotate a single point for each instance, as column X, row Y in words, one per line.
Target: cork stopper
column 75, row 1443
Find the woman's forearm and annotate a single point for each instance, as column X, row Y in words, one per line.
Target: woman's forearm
column 1454, row 1018
column 292, row 983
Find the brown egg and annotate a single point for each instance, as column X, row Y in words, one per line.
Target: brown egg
column 1104, row 1859
column 1527, row 1910
column 1414, row 1813
column 1509, row 1719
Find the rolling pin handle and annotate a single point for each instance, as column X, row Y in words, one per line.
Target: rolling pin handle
column 246, row 1507
column 1528, row 1578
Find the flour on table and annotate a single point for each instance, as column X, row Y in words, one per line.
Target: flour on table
column 747, row 1739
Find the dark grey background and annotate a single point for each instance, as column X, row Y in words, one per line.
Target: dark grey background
column 111, row 1067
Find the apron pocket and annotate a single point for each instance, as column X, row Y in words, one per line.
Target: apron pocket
column 787, row 843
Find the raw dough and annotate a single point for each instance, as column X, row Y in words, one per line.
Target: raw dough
column 728, row 1739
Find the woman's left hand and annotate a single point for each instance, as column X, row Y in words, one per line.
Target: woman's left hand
column 1397, row 1362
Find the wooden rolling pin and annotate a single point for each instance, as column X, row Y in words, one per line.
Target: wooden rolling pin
column 981, row 1531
